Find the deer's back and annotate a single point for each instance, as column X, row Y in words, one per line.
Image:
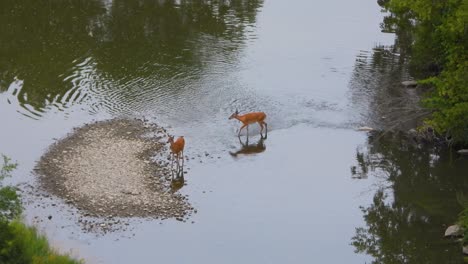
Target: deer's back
column 178, row 145
column 253, row 117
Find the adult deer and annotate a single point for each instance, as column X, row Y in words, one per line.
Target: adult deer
column 250, row 118
column 177, row 150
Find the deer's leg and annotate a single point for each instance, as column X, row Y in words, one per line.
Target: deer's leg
column 172, row 160
column 172, row 165
column 266, row 128
column 178, row 162
column 261, row 127
column 241, row 129
column 183, row 158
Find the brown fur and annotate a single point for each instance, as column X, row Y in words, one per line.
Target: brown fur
column 177, row 149
column 250, row 118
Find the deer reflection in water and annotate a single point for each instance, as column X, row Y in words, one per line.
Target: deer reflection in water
column 177, row 179
column 177, row 153
column 248, row 149
column 177, row 183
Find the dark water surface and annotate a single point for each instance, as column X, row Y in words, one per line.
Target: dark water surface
column 315, row 191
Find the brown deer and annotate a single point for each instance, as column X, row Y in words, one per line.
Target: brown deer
column 177, row 151
column 250, row 118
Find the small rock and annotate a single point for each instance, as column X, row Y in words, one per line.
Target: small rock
column 463, row 152
column 49, row 217
column 465, row 250
column 365, row 128
column 409, row 84
column 453, row 231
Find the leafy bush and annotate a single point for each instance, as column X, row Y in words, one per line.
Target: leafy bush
column 20, row 244
column 440, row 54
column 10, row 204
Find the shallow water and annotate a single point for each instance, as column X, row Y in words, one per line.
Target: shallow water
column 318, row 71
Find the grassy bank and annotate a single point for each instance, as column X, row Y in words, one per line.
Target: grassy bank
column 21, row 244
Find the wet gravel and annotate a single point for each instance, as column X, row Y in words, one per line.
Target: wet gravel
column 113, row 169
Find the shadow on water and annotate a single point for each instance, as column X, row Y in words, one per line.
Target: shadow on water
column 249, row 149
column 114, row 56
column 414, row 202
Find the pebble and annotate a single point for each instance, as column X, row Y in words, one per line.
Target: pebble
column 409, row 84
column 365, row 128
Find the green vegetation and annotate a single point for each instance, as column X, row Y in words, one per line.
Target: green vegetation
column 437, row 31
column 20, row 244
column 10, row 205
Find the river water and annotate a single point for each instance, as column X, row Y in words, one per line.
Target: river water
column 316, row 190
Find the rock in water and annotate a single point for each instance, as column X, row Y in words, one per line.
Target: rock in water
column 463, row 152
column 453, row 231
column 409, row 83
column 365, row 128
column 465, row 250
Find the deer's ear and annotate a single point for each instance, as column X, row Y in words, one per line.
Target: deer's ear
column 237, row 111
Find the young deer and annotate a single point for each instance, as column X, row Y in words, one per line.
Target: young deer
column 177, row 150
column 250, row 118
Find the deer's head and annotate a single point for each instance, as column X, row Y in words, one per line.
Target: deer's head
column 234, row 115
column 170, row 139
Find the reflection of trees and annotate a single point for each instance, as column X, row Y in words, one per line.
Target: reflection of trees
column 163, row 35
column 151, row 45
column 43, row 43
column 400, row 24
column 376, row 81
column 377, row 92
column 39, row 42
column 405, row 222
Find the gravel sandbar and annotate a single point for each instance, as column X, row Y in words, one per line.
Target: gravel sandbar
column 114, row 168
